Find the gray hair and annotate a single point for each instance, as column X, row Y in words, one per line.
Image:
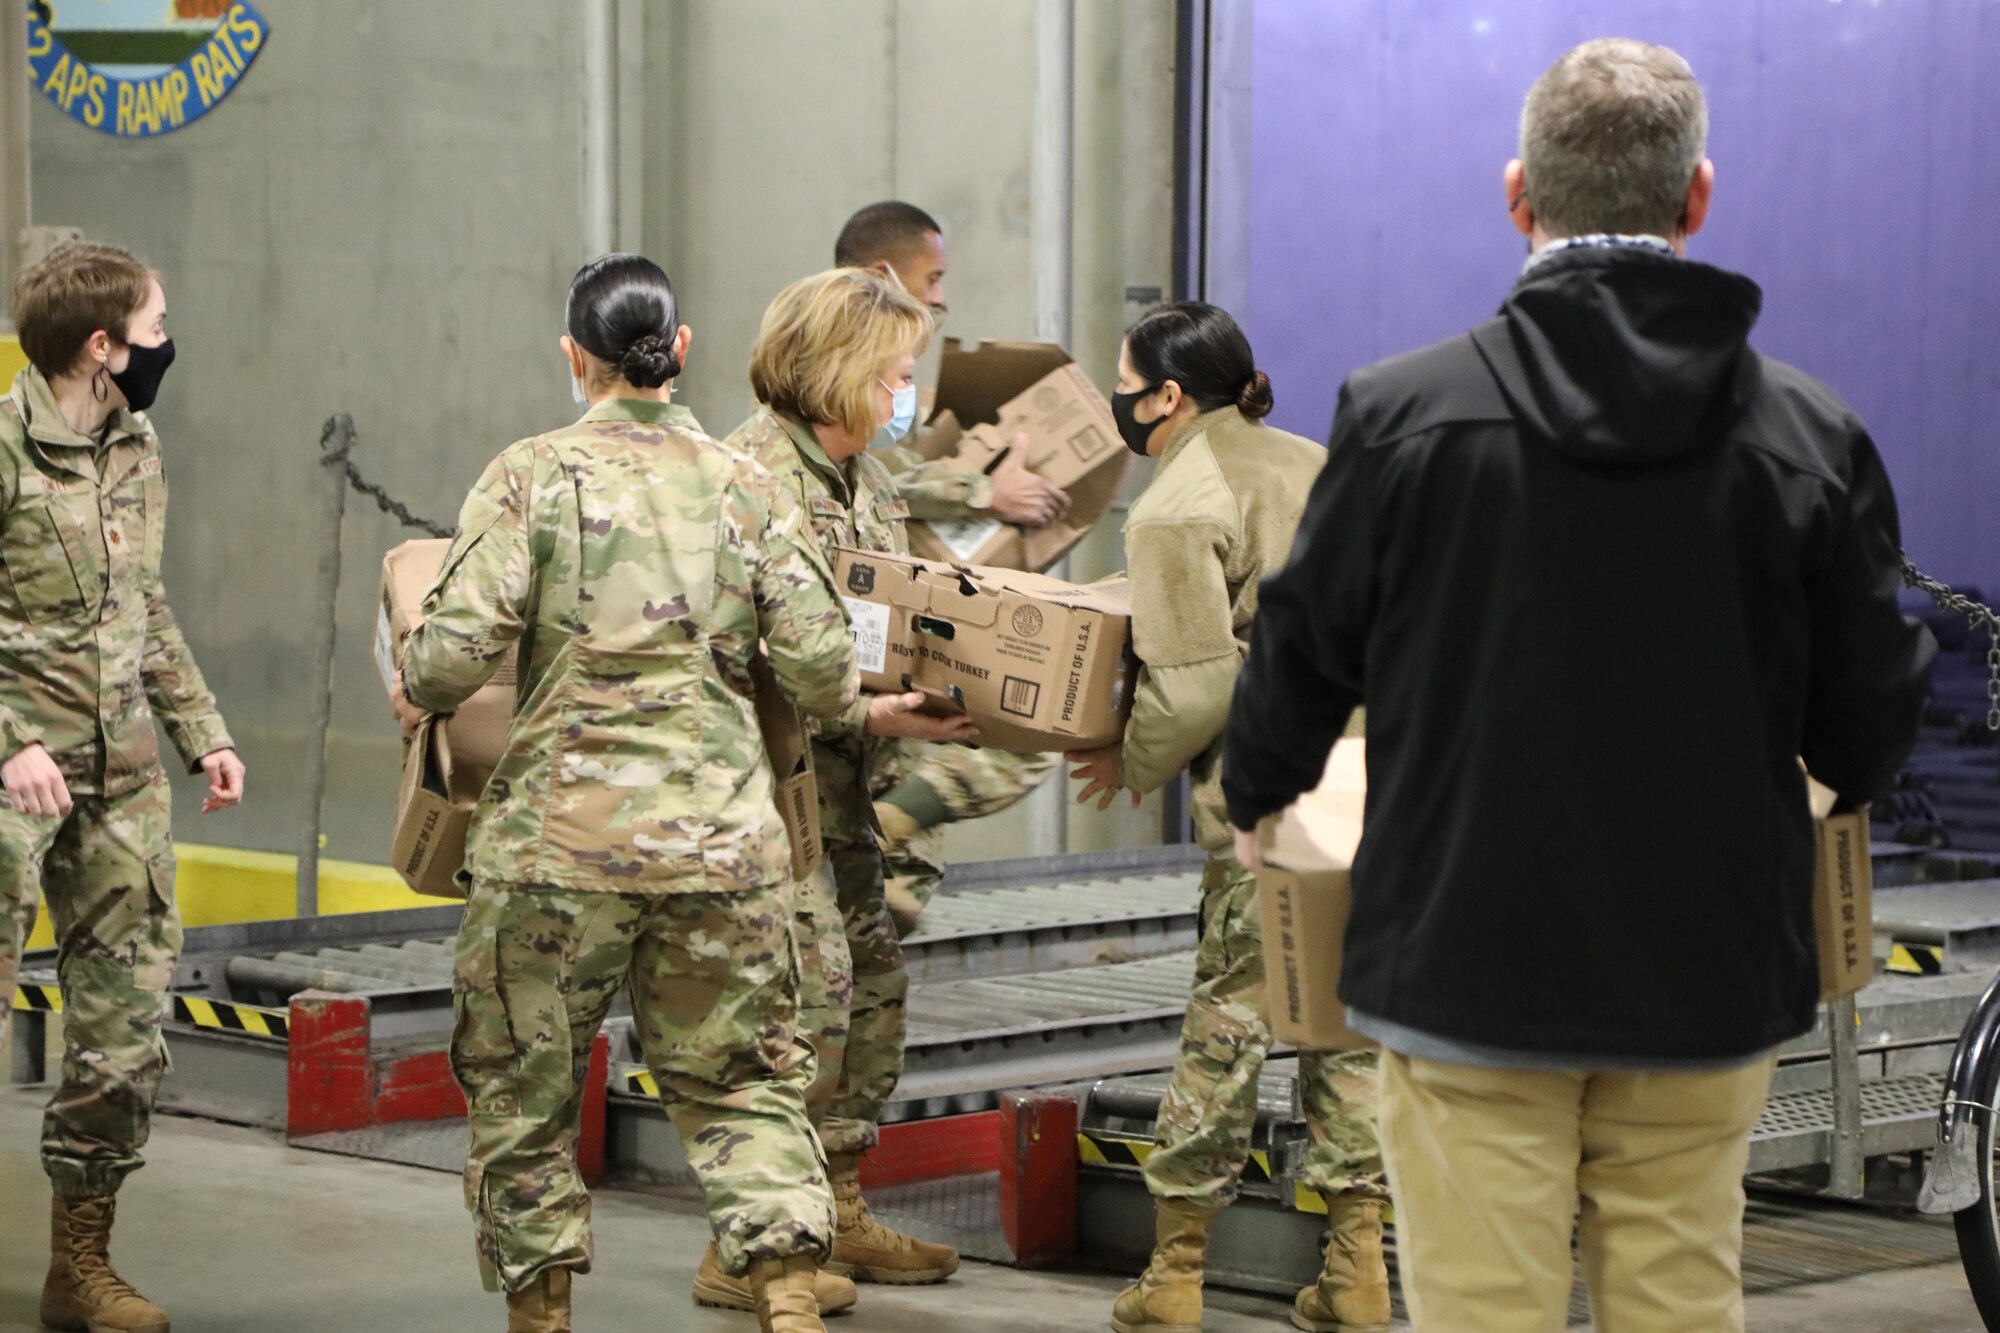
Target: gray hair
column 1611, row 136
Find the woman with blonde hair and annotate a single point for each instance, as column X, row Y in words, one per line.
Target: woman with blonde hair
column 833, row 364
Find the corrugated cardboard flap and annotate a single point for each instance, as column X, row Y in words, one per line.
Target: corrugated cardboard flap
column 1322, row 830
column 976, row 379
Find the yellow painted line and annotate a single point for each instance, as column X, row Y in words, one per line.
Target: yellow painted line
column 225, row 886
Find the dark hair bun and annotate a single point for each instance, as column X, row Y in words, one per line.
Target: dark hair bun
column 1255, row 399
column 621, row 309
column 649, row 362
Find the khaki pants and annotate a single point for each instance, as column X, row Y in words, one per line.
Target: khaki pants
column 1493, row 1170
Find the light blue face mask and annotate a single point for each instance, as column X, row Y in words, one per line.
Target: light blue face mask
column 903, row 420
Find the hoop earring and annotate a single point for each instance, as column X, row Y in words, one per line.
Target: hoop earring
column 99, row 384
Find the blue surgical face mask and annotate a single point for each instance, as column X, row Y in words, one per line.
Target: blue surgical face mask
column 576, row 390
column 904, row 418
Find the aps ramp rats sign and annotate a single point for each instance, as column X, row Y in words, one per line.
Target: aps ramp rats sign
column 139, row 68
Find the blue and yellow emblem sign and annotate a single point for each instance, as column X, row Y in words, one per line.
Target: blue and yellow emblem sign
column 136, row 68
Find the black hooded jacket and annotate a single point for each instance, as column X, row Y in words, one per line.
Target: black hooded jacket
column 1603, row 575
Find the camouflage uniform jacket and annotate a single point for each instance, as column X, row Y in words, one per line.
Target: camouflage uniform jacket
column 1219, row 514
column 856, row 506
column 89, row 652
column 637, row 564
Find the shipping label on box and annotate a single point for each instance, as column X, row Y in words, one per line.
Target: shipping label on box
column 1038, row 663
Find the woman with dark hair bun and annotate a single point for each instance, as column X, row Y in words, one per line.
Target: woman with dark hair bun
column 1221, row 511
column 637, row 574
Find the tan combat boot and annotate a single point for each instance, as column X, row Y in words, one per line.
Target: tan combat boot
column 542, row 1306
column 783, row 1290
column 867, row 1251
column 84, row 1294
column 1352, row 1295
column 1167, row 1296
column 719, row 1291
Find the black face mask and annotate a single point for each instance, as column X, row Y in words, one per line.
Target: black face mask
column 1135, row 433
column 140, row 380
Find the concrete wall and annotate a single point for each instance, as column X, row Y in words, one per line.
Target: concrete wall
column 384, row 218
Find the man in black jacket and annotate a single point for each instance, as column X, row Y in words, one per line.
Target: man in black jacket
column 1604, row 575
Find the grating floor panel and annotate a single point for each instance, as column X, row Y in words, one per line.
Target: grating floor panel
column 435, row 1145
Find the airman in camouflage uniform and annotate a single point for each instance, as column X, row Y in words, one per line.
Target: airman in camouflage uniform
column 629, row 836
column 1221, row 509
column 89, row 657
column 919, row 788
column 850, row 942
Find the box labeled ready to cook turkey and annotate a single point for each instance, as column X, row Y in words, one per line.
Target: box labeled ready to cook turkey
column 989, row 394
column 1038, row 663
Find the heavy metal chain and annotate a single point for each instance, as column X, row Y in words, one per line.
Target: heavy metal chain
column 338, row 454
column 1978, row 616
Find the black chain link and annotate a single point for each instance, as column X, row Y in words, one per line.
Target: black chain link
column 340, row 455
column 1978, row 616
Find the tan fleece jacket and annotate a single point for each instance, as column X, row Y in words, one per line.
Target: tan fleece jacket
column 1218, row 516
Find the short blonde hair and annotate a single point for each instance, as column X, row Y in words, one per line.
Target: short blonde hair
column 824, row 342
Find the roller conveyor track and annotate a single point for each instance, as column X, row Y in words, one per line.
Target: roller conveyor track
column 996, row 929
column 971, row 1040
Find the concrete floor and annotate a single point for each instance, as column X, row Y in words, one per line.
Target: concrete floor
column 235, row 1233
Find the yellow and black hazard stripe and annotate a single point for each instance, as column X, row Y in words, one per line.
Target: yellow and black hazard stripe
column 1130, row 1154
column 641, row 1083
column 1103, row 1150
column 224, row 1016
column 1916, row 960
column 34, row 997
column 1107, row 1150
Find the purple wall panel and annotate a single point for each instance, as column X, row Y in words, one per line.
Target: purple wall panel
column 1857, row 149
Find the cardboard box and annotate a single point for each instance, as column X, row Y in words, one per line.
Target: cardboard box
column 479, row 728
column 433, row 814
column 990, row 393
column 1843, row 897
column 790, row 749
column 1038, row 663
column 1304, row 894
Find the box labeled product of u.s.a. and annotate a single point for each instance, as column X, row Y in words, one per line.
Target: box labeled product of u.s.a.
column 1305, row 892
column 1037, row 663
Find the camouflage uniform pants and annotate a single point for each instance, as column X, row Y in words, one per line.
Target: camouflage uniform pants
column 971, row 783
column 107, row 873
column 713, row 979
column 860, row 1047
column 17, row 922
column 1202, row 1139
